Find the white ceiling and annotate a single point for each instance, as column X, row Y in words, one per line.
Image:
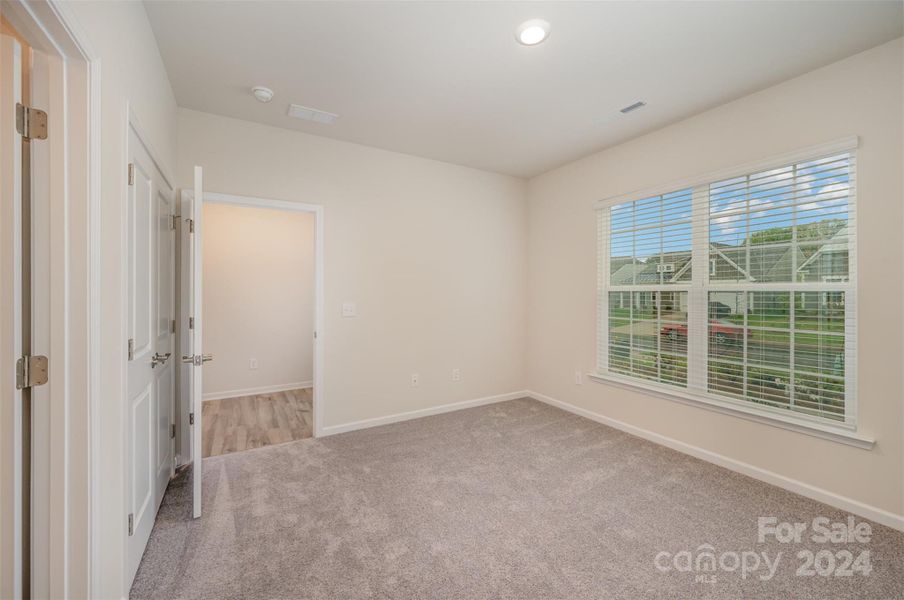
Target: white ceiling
column 446, row 80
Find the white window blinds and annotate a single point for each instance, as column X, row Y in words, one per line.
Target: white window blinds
column 739, row 287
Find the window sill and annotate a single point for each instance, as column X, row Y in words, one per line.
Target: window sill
column 819, row 430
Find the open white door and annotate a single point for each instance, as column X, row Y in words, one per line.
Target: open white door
column 11, row 441
column 198, row 358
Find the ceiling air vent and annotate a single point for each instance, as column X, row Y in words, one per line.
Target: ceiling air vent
column 633, row 107
column 312, row 114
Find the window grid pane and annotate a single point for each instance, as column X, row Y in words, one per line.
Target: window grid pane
column 764, row 348
column 651, row 239
column 788, row 224
column 648, row 335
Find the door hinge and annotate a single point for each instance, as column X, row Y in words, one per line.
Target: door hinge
column 31, row 123
column 131, row 523
column 131, row 173
column 173, row 431
column 191, row 322
column 191, row 418
column 173, row 326
column 131, row 348
column 315, row 335
column 191, row 225
column 175, row 222
column 31, row 371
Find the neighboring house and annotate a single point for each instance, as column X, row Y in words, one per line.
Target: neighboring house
column 828, row 260
column 768, row 263
column 675, row 268
column 738, row 263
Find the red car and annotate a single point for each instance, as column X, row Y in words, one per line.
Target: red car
column 721, row 330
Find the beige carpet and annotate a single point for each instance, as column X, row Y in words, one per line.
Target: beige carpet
column 513, row 500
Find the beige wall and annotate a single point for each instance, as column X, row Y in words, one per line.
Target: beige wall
column 433, row 254
column 258, row 299
column 131, row 74
column 861, row 95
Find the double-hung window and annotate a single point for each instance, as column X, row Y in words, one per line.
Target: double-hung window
column 738, row 288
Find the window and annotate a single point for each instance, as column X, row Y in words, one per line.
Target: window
column 738, row 288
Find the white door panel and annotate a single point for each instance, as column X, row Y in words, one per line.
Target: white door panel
column 165, row 378
column 142, row 485
column 141, row 262
column 150, row 367
column 186, row 408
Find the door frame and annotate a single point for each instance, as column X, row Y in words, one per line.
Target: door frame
column 319, row 333
column 73, row 296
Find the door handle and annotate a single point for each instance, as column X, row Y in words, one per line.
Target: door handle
column 159, row 359
column 197, row 359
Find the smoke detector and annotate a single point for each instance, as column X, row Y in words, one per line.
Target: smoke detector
column 263, row 94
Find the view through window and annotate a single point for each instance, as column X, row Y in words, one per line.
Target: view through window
column 739, row 289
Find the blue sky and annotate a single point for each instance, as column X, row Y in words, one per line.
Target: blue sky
column 806, row 193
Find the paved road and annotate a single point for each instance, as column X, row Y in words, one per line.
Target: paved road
column 764, row 354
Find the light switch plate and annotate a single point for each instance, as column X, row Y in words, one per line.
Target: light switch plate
column 349, row 309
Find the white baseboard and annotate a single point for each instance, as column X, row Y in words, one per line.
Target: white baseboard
column 417, row 414
column 804, row 489
column 258, row 390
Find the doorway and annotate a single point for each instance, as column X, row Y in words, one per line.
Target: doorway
column 258, row 304
column 286, row 398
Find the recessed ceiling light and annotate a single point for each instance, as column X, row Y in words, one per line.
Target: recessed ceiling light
column 531, row 33
column 263, row 94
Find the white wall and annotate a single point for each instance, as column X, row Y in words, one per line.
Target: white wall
column 131, row 71
column 861, row 95
column 258, row 299
column 433, row 254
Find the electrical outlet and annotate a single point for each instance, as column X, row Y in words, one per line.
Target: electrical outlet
column 349, row 309
column 252, row 364
column 415, row 379
column 456, row 374
column 578, row 377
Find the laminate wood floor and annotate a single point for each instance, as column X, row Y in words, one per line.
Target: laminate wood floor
column 246, row 422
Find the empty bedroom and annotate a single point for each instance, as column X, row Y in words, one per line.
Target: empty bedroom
column 455, row 300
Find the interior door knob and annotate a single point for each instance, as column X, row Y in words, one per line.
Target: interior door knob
column 159, row 359
column 206, row 358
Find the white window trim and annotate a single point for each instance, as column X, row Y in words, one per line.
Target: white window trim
column 724, row 405
column 695, row 393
